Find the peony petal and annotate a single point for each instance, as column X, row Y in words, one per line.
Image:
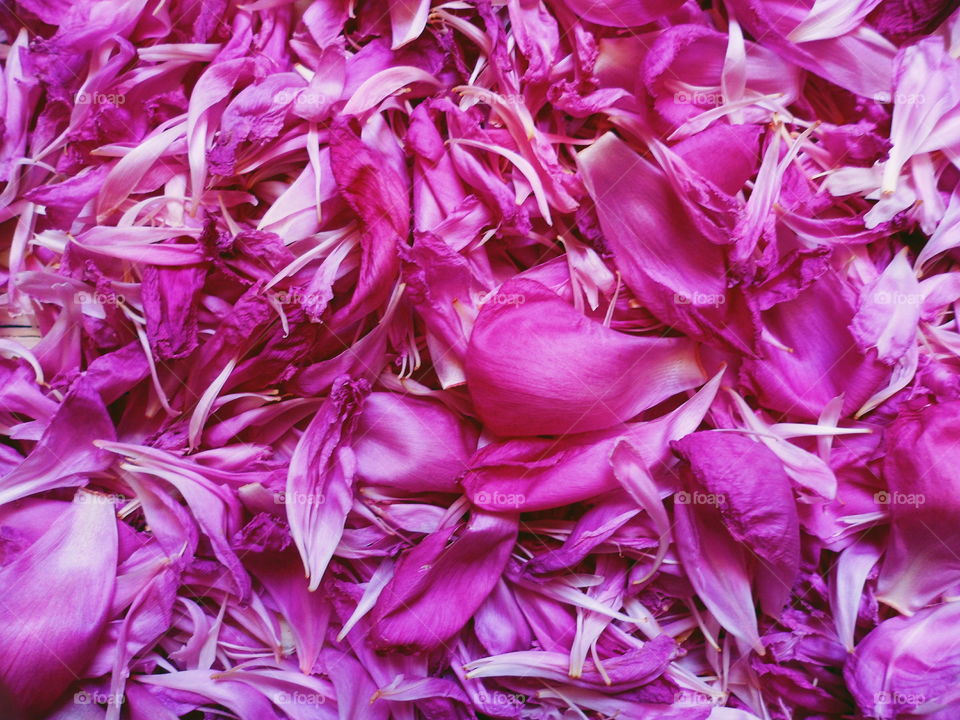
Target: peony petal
column 319, row 489
column 441, row 582
column 536, row 366
column 411, row 444
column 918, row 470
column 49, row 637
column 756, row 503
column 717, row 567
column 908, row 665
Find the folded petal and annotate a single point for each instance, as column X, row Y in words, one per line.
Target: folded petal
column 439, row 583
column 536, row 366
column 47, row 637
column 756, row 503
column 319, row 490
column 909, row 666
column 921, row 558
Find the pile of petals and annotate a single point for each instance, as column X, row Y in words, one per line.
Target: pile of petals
column 449, row 359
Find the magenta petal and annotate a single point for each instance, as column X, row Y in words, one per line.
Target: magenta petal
column 170, row 298
column 411, row 443
column 660, row 248
column 47, row 638
column 441, row 582
column 319, row 490
column 921, row 497
column 717, row 567
column 594, row 527
column 860, row 61
column 378, row 196
column 536, row 366
column 755, row 499
column 906, row 664
column 538, row 473
column 308, row 616
column 635, row 667
column 66, row 453
column 499, row 622
column 813, row 356
column 521, row 359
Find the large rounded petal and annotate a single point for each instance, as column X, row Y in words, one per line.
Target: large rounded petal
column 536, row 366
column 411, row 443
